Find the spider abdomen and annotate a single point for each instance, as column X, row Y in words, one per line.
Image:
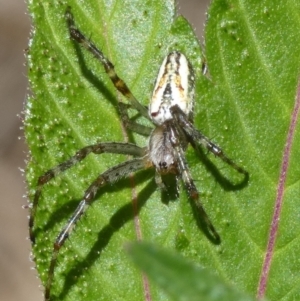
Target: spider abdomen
column 174, row 86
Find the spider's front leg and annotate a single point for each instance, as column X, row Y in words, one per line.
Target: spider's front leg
column 176, row 137
column 107, row 177
column 99, row 148
column 198, row 138
column 110, row 176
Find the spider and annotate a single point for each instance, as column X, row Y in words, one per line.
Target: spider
column 170, row 111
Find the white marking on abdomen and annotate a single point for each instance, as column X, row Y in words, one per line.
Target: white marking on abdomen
column 174, row 86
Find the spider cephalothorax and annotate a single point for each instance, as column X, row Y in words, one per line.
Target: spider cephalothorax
column 170, row 111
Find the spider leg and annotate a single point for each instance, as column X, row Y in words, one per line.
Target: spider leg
column 109, row 147
column 187, row 177
column 120, row 85
column 108, row 177
column 198, row 138
column 132, row 125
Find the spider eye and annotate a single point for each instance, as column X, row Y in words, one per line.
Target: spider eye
column 163, row 165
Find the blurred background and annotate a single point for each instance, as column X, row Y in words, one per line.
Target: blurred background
column 18, row 279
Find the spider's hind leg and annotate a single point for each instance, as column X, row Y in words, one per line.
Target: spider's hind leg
column 120, row 85
column 131, row 124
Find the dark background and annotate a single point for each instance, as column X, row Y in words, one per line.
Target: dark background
column 18, row 281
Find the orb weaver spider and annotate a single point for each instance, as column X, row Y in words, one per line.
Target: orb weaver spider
column 170, row 111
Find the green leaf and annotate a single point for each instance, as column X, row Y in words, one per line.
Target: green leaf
column 244, row 104
column 253, row 53
column 181, row 279
column 74, row 104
